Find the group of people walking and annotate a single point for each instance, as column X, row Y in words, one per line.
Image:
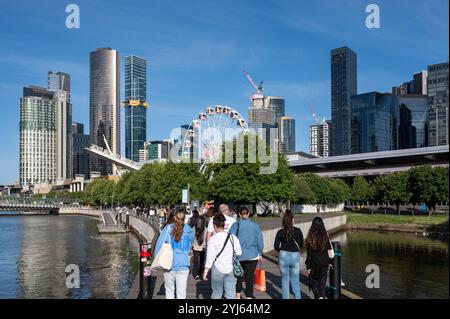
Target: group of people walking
column 225, row 248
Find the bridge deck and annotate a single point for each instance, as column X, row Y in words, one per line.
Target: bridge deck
column 202, row 290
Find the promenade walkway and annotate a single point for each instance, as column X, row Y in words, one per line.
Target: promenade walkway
column 202, row 290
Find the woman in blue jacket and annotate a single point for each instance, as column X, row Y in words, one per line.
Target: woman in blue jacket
column 181, row 237
column 252, row 244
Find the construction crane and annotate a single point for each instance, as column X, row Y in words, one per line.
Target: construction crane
column 259, row 88
column 311, row 109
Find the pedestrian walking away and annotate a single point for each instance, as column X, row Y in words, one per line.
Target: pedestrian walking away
column 319, row 256
column 220, row 253
column 252, row 244
column 180, row 236
column 288, row 242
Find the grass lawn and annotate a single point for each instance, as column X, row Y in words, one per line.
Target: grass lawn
column 365, row 219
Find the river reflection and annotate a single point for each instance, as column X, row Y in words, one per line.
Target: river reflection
column 35, row 250
column 410, row 266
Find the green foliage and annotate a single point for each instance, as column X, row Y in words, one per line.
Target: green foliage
column 100, row 192
column 429, row 185
column 303, row 192
column 361, row 191
column 327, row 191
column 393, row 188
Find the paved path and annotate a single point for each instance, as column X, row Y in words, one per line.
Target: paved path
column 109, row 221
column 202, row 290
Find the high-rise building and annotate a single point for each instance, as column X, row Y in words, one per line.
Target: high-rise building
column 58, row 81
column 156, row 151
column 80, row 157
column 418, row 85
column 438, row 113
column 319, row 139
column 413, row 121
column 37, row 136
column 135, row 105
column 287, row 134
column 277, row 104
column 104, row 104
column 374, row 123
column 343, row 87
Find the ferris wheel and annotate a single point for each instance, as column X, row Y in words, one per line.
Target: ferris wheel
column 204, row 139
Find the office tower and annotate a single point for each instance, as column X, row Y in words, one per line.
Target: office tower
column 374, row 122
column 104, row 104
column 64, row 141
column 402, row 89
column 277, row 104
column 287, row 134
column 58, row 81
column 80, row 157
column 438, row 104
column 135, row 105
column 413, row 121
column 156, row 151
column 319, row 135
column 420, row 83
column 37, row 136
column 343, row 87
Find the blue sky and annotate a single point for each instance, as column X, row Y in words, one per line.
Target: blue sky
column 197, row 50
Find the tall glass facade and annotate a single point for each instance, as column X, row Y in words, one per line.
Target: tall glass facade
column 287, row 134
column 80, row 157
column 104, row 104
column 413, row 121
column 343, row 87
column 374, row 123
column 135, row 106
column 438, row 114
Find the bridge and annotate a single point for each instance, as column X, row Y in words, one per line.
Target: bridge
column 113, row 158
column 32, row 206
column 372, row 164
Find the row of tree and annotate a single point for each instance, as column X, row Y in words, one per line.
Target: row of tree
column 244, row 183
column 424, row 184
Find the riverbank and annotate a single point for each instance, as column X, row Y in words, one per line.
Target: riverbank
column 434, row 225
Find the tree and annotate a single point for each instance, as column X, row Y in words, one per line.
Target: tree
column 429, row 185
column 361, row 191
column 99, row 192
column 243, row 182
column 303, row 192
column 393, row 188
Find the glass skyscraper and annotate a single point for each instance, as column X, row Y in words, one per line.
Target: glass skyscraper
column 374, row 122
column 438, row 104
column 80, row 157
column 135, row 105
column 287, row 134
column 104, row 104
column 343, row 87
column 413, row 121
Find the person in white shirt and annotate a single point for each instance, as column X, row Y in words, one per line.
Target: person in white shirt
column 229, row 221
column 219, row 259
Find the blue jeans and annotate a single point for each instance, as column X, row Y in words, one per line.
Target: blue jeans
column 176, row 280
column 222, row 285
column 289, row 263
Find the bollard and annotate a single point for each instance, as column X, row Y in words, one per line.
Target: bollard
column 144, row 272
column 336, row 272
column 127, row 221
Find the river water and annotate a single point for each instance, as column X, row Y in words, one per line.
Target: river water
column 35, row 250
column 411, row 266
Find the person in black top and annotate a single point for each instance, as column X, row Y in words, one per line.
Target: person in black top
column 319, row 252
column 288, row 242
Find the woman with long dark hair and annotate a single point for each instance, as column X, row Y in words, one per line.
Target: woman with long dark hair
column 180, row 236
column 288, row 242
column 319, row 252
column 198, row 224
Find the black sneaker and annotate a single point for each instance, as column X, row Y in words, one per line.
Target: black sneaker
column 197, row 278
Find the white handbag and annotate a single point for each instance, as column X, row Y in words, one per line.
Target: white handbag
column 330, row 251
column 164, row 258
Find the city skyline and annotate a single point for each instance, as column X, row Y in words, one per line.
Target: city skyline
column 208, row 71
